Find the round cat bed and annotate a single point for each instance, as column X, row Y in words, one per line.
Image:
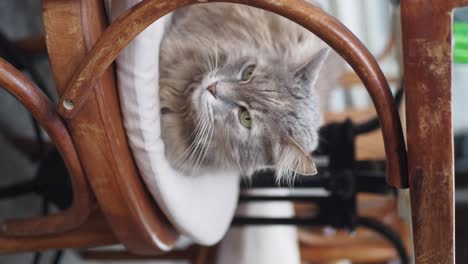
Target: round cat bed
column 201, row 207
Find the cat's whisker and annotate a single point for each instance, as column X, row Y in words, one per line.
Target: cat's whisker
column 193, row 147
column 210, row 62
column 201, row 156
column 197, row 127
column 217, row 59
column 195, row 154
column 239, row 166
column 187, row 151
column 212, row 57
column 211, row 113
column 200, row 144
column 294, row 175
column 205, row 145
column 196, row 145
column 207, row 142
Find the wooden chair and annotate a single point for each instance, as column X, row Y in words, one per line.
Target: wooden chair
column 111, row 204
column 364, row 245
column 427, row 50
column 192, row 254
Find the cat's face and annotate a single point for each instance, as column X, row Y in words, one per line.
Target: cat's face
column 250, row 113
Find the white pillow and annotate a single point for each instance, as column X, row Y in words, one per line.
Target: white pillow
column 262, row 244
column 200, row 207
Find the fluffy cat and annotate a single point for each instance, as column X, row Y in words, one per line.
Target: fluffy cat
column 237, row 91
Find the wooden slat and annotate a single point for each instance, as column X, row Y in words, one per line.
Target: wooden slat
column 427, row 49
column 94, row 232
column 72, row 27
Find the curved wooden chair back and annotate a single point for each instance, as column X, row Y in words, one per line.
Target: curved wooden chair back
column 98, row 130
column 135, row 20
column 82, row 48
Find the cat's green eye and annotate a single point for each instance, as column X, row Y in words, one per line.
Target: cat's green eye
column 245, row 118
column 247, row 73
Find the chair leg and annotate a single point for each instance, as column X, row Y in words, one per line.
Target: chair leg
column 194, row 254
column 427, row 29
column 205, row 255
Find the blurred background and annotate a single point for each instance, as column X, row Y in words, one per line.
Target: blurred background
column 376, row 23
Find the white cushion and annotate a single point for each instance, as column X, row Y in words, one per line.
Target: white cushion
column 200, row 207
column 262, row 244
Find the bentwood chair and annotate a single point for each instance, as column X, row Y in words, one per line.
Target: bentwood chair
column 111, row 204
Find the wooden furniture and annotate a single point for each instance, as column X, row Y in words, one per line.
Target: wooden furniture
column 364, row 246
column 316, row 245
column 427, row 50
column 98, row 131
column 32, row 45
column 109, row 196
column 192, row 254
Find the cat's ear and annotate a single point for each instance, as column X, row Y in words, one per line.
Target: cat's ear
column 308, row 72
column 292, row 158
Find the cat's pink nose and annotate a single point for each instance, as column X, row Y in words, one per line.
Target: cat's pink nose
column 212, row 89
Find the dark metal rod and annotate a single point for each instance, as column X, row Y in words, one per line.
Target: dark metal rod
column 240, row 221
column 266, row 198
column 57, row 257
column 366, row 181
column 267, row 179
column 17, row 189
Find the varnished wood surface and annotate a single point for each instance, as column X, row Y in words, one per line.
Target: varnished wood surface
column 192, row 254
column 459, row 3
column 427, row 50
column 71, row 28
column 120, row 255
column 349, row 78
column 92, row 233
column 32, row 45
column 45, row 113
column 131, row 23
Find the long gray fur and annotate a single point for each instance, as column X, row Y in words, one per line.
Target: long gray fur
column 213, row 43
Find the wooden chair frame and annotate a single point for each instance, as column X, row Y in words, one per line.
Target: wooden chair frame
column 82, row 48
column 427, row 50
column 131, row 23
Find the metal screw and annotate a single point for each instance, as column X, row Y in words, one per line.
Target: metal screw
column 68, row 104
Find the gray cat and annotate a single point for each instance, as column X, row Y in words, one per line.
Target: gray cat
column 237, row 91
